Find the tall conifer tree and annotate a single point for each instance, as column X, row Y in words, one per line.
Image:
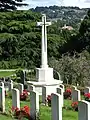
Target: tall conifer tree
column 9, row 5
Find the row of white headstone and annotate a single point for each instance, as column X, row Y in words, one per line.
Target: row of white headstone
column 56, row 105
column 56, row 101
column 10, row 86
column 86, row 90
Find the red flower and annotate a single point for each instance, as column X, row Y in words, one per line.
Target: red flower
column 75, row 106
column 49, row 97
column 15, row 109
column 49, row 100
column 68, row 90
column 87, row 95
column 25, row 111
column 24, row 95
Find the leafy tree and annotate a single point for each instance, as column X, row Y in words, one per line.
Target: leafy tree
column 8, row 5
column 73, row 69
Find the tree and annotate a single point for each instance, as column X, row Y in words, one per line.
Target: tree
column 84, row 32
column 73, row 69
column 9, row 5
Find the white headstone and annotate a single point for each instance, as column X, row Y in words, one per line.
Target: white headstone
column 31, row 88
column 62, row 86
column 60, row 91
column 21, row 88
column 76, row 95
column 2, row 99
column 73, row 88
column 84, row 110
column 15, row 98
column 56, row 108
column 34, row 104
column 47, row 90
column 87, row 90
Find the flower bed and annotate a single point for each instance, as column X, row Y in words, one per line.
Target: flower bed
column 22, row 112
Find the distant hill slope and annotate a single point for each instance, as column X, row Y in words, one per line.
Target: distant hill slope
column 69, row 15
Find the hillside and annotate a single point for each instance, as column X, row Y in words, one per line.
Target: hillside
column 70, row 15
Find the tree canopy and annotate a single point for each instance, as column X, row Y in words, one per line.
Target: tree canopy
column 8, row 5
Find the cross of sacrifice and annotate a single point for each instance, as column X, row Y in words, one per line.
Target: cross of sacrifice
column 44, row 24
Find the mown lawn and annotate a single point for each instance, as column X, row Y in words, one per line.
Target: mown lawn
column 6, row 73
column 45, row 112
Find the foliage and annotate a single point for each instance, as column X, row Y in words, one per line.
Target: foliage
column 85, row 32
column 18, row 72
column 73, row 69
column 80, row 41
column 20, row 40
column 8, row 5
column 18, row 35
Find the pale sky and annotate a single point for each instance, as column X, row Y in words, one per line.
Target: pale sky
column 79, row 3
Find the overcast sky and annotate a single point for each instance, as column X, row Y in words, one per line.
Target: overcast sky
column 79, row 3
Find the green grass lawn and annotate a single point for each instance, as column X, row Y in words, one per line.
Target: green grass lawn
column 6, row 73
column 45, row 112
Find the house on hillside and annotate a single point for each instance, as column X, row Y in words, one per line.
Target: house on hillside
column 67, row 27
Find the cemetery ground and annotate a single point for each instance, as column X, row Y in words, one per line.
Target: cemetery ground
column 45, row 111
column 6, row 73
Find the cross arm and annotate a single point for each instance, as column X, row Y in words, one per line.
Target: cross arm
column 48, row 23
column 39, row 23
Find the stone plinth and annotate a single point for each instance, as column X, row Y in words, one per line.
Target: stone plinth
column 51, row 86
column 44, row 74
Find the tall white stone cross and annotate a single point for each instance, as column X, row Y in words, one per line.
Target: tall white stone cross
column 44, row 24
